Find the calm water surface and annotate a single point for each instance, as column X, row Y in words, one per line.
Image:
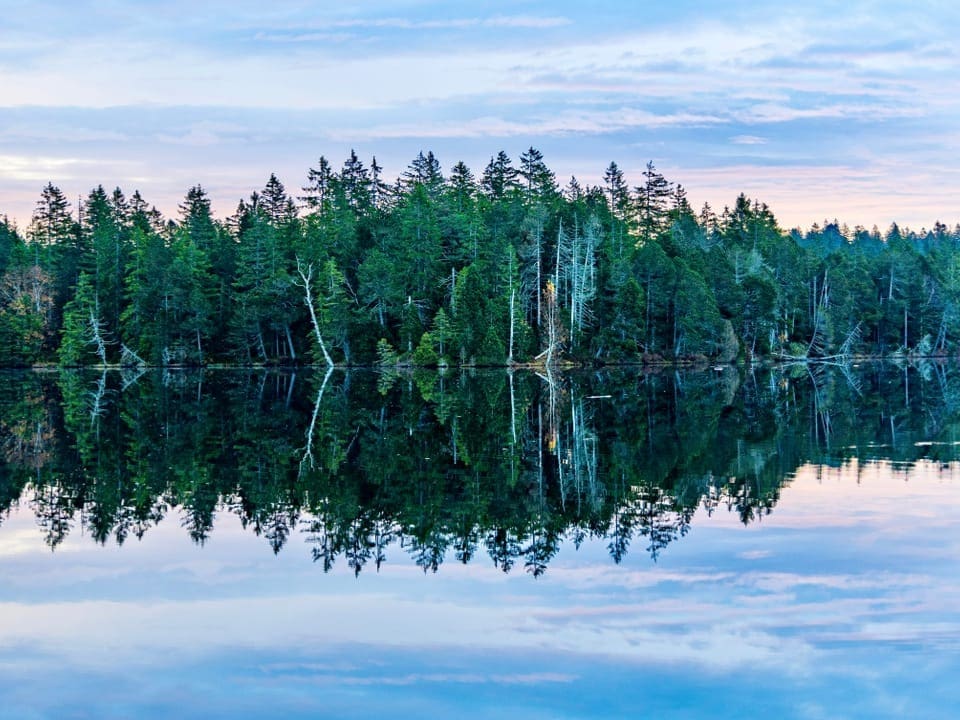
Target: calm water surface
column 712, row 544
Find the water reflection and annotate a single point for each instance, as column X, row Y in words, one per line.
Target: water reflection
column 366, row 466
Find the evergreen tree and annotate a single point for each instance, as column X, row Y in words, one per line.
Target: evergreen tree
column 424, row 171
column 539, row 182
column 318, row 192
column 51, row 223
column 53, row 228
column 143, row 319
column 84, row 336
column 277, row 206
column 196, row 218
column 499, row 177
column 652, row 201
column 104, row 219
column 461, row 224
column 355, row 181
column 265, row 301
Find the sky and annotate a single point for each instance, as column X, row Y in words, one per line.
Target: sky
column 821, row 109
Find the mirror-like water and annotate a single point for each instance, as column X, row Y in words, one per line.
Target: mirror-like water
column 688, row 544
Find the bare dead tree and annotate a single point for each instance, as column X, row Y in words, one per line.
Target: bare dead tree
column 306, row 277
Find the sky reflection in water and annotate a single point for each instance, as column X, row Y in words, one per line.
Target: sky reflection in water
column 816, row 611
column 841, row 603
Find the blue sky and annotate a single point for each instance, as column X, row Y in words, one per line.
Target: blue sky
column 824, row 110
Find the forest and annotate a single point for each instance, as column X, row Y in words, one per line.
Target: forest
column 434, row 269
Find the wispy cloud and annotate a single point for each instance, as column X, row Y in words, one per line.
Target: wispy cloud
column 526, row 22
column 59, row 133
column 749, row 87
column 407, row 679
column 781, row 113
column 748, row 140
column 204, row 134
column 36, row 168
column 306, row 37
column 564, row 124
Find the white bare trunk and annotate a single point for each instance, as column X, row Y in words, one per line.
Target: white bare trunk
column 97, row 337
column 306, row 276
column 539, row 281
column 512, row 319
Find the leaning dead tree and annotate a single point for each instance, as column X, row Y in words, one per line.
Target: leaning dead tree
column 817, row 347
column 853, row 337
column 581, row 275
column 306, row 277
column 821, row 304
column 128, row 358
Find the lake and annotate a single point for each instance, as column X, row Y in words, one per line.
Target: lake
column 718, row 543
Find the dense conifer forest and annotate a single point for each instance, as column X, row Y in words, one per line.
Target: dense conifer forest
column 507, row 267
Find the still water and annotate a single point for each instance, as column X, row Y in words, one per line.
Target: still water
column 717, row 544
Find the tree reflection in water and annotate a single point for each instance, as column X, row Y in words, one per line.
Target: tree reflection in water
column 449, row 465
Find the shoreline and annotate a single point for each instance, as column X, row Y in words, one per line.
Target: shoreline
column 700, row 363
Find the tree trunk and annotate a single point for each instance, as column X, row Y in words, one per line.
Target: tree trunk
column 539, row 283
column 905, row 345
column 510, row 350
column 293, row 353
column 306, row 276
column 453, row 293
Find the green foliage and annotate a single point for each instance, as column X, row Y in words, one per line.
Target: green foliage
column 82, row 333
column 472, row 320
column 636, row 274
column 699, row 325
column 387, row 356
column 442, row 332
column 26, row 309
column 425, row 355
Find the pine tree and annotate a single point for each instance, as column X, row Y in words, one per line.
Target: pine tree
column 355, row 180
column 499, row 177
column 265, row 301
column 617, row 192
column 278, row 207
column 462, row 226
column 652, row 204
column 104, row 219
column 318, row 192
column 84, row 336
column 425, row 171
column 51, row 223
column 540, row 184
column 143, row 323
column 196, row 218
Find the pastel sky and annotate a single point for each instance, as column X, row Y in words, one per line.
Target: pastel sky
column 822, row 109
